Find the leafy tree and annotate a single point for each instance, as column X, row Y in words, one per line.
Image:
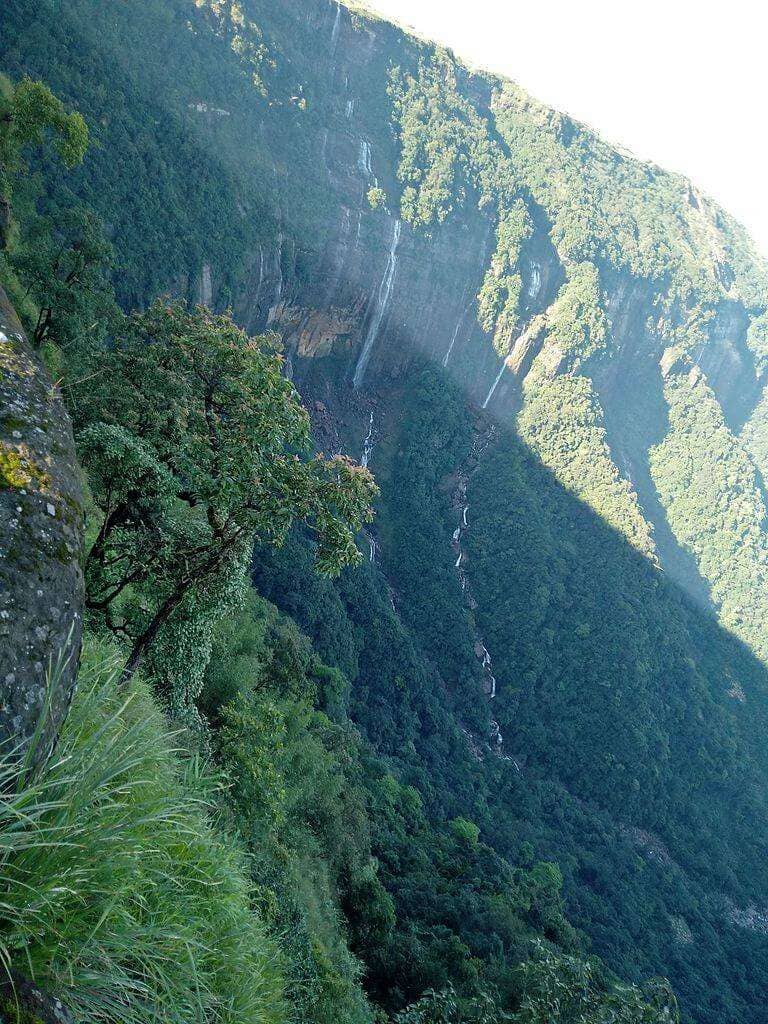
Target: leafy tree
column 465, row 832
column 567, row 990
column 446, row 1007
column 63, row 264
column 195, row 446
column 29, row 114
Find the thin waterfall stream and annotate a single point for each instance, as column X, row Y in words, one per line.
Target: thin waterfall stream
column 382, row 301
column 481, row 650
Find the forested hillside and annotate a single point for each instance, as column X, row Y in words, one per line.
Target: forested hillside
column 422, row 436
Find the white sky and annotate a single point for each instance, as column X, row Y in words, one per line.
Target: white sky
column 679, row 82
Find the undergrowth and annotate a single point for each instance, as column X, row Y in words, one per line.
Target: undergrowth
column 119, row 893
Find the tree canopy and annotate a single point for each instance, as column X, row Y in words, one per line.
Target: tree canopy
column 195, row 446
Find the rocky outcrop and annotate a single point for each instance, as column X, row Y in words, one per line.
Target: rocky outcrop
column 41, row 519
column 23, row 1002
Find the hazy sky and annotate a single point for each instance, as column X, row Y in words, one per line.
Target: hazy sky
column 679, row 82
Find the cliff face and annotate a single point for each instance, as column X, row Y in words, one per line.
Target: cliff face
column 552, row 356
column 677, row 291
column 672, row 287
column 41, row 508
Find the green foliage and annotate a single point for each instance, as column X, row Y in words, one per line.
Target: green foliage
column 446, row 1007
column 46, row 267
column 465, row 831
column 192, row 440
column 242, row 33
column 557, row 990
column 605, row 208
column 499, row 297
column 563, row 423
column 564, row 990
column 120, row 896
column 714, row 501
column 64, row 267
column 297, row 804
column 443, row 140
column 29, row 115
column 576, row 322
column 613, row 693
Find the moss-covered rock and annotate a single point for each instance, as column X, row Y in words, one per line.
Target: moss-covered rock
column 22, row 1002
column 40, row 541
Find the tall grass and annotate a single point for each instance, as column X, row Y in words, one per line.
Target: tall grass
column 117, row 893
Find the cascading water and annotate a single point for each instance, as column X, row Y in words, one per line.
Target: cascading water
column 364, row 159
column 335, row 32
column 481, row 651
column 276, row 298
column 380, row 307
column 495, row 384
column 535, row 285
column 367, row 444
column 324, row 152
column 461, row 320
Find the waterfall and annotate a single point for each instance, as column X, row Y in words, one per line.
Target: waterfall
column 535, row 285
column 481, row 651
column 495, row 384
column 364, row 159
column 206, row 286
column 279, row 285
column 367, row 444
column 447, row 355
column 324, row 152
column 380, row 308
column 335, row 32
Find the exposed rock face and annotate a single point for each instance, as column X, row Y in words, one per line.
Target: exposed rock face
column 22, row 1000
column 363, row 295
column 41, row 517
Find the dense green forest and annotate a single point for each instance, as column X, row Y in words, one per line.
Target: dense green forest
column 265, row 863
column 279, row 795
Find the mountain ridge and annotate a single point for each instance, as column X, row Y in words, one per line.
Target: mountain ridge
column 440, row 256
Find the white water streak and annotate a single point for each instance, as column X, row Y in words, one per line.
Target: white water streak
column 364, row 159
column 382, row 301
column 447, row 355
column 535, row 285
column 335, row 32
column 367, row 444
column 495, row 384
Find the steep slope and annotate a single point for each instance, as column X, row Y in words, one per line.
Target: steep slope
column 535, row 340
